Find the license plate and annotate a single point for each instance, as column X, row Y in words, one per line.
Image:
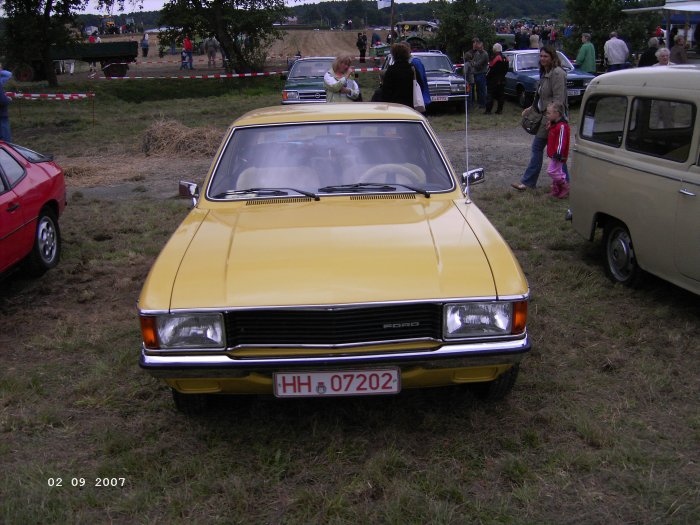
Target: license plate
column 337, row 383
column 573, row 92
column 439, row 99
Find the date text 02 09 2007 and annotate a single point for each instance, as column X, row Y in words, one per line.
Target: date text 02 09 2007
column 85, row 482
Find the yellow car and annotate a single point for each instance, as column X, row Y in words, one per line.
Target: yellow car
column 333, row 251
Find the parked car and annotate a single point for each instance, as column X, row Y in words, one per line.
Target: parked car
column 636, row 173
column 444, row 84
column 332, row 251
column 524, row 74
column 32, row 198
column 304, row 82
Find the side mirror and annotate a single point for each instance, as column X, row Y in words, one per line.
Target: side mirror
column 475, row 176
column 189, row 190
column 284, row 75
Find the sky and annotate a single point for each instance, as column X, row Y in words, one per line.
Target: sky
column 157, row 5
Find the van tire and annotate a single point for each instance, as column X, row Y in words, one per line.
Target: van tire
column 620, row 260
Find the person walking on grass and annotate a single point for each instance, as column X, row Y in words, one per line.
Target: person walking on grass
column 585, row 59
column 552, row 88
column 4, row 106
column 361, row 46
column 496, row 80
column 188, row 48
column 557, row 148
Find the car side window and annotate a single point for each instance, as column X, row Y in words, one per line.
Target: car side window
column 11, row 168
column 661, row 128
column 604, row 120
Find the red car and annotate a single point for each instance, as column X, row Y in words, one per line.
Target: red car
column 32, row 198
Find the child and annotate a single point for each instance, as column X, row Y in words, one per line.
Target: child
column 184, row 64
column 557, row 148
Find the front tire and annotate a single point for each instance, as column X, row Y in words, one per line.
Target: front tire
column 499, row 388
column 191, row 404
column 47, row 244
column 524, row 99
column 620, row 260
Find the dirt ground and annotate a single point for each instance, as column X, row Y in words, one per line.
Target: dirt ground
column 310, row 43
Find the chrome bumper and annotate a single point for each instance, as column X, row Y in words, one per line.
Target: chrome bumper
column 449, row 356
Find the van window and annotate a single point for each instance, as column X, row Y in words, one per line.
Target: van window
column 604, row 120
column 661, row 128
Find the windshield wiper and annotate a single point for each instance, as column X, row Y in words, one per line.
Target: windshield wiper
column 363, row 186
column 266, row 191
column 440, row 71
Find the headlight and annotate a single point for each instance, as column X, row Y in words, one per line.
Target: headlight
column 290, row 95
column 586, row 82
column 183, row 331
column 457, row 88
column 462, row 320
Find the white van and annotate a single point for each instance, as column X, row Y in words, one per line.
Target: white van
column 636, row 173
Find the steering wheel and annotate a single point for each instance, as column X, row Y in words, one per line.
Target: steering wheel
column 390, row 174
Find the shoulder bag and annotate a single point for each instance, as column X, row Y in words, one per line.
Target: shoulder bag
column 418, row 103
column 532, row 120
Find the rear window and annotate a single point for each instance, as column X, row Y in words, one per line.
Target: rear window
column 661, row 128
column 604, row 120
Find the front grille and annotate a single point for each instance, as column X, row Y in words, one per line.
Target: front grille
column 439, row 88
column 313, row 96
column 334, row 326
column 578, row 83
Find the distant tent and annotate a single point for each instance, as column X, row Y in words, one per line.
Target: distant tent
column 671, row 9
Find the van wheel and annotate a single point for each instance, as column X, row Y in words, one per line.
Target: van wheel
column 498, row 388
column 620, row 261
column 191, row 404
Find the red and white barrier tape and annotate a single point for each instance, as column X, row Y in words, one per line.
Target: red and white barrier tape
column 49, row 96
column 224, row 75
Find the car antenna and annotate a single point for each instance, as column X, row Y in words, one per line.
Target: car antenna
column 466, row 122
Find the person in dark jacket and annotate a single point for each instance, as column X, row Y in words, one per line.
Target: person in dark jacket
column 361, row 46
column 4, row 107
column 397, row 85
column 648, row 57
column 496, row 80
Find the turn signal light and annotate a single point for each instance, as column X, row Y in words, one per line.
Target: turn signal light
column 519, row 317
column 148, row 332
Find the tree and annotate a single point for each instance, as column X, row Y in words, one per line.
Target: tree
column 244, row 28
column 460, row 22
column 33, row 26
column 600, row 17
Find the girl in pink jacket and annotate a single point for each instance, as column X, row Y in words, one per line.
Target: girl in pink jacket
column 557, row 148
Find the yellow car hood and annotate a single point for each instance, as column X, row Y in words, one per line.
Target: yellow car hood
column 330, row 252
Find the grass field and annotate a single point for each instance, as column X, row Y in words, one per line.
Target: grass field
column 603, row 425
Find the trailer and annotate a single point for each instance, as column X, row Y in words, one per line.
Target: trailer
column 114, row 59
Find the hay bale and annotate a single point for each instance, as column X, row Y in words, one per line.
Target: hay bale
column 170, row 137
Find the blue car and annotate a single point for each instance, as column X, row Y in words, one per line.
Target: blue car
column 524, row 74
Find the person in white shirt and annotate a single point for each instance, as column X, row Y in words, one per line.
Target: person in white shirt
column 616, row 53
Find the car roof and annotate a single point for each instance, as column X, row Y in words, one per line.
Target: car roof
column 301, row 113
column 427, row 53
column 678, row 77
column 313, row 58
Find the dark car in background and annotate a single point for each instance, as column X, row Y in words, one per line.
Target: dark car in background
column 304, row 83
column 32, row 198
column 444, row 84
column 524, row 74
